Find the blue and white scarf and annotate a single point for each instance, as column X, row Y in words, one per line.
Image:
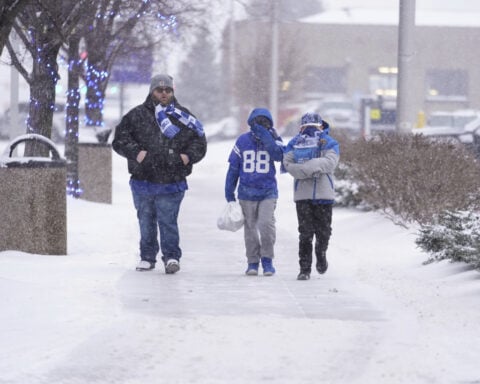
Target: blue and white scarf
column 168, row 128
column 187, row 119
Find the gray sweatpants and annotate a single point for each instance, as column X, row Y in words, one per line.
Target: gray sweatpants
column 259, row 228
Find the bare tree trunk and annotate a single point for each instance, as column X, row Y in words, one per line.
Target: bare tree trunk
column 42, row 98
column 96, row 80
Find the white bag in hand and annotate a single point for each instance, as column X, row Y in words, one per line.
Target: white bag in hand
column 231, row 219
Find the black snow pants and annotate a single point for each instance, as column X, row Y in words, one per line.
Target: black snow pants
column 313, row 219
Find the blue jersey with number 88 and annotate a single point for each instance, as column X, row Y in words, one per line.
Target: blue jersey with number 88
column 256, row 169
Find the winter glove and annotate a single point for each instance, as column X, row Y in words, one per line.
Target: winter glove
column 166, row 126
column 266, row 137
column 259, row 131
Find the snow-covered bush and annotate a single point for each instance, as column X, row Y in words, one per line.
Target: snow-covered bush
column 346, row 189
column 411, row 178
column 454, row 236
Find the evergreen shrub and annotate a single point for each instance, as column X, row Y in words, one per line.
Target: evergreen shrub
column 454, row 236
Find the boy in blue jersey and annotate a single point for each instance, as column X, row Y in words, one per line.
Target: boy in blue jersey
column 252, row 163
column 311, row 158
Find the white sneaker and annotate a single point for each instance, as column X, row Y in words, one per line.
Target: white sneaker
column 172, row 266
column 145, row 265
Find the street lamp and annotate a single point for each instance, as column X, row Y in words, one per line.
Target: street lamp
column 274, row 63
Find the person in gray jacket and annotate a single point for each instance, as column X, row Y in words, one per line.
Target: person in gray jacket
column 311, row 158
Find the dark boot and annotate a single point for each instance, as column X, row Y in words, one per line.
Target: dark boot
column 322, row 263
column 303, row 276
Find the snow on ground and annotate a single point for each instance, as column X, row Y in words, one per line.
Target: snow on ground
column 377, row 316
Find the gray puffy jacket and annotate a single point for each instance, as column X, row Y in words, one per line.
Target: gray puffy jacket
column 313, row 178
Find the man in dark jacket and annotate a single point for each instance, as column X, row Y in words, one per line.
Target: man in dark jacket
column 161, row 140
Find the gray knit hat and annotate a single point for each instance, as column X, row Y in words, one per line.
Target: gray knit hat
column 161, row 81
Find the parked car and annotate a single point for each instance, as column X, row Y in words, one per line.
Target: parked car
column 340, row 113
column 452, row 123
column 458, row 118
column 58, row 126
column 111, row 118
column 459, row 126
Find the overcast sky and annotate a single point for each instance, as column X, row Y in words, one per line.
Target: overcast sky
column 462, row 5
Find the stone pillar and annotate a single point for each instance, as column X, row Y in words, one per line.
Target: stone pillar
column 95, row 172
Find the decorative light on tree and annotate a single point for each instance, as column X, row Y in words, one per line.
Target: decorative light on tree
column 71, row 119
column 94, row 79
column 73, row 188
column 167, row 23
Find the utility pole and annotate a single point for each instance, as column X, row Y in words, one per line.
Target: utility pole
column 406, row 61
column 274, row 64
column 231, row 60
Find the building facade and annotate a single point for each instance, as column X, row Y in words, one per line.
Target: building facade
column 356, row 57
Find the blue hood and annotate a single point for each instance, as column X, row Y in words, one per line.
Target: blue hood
column 259, row 112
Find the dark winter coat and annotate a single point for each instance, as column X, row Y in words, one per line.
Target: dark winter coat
column 138, row 130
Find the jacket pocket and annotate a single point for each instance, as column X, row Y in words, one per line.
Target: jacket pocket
column 145, row 169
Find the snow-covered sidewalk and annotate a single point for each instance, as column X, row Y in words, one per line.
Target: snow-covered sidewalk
column 377, row 316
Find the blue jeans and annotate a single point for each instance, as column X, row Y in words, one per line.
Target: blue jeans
column 161, row 210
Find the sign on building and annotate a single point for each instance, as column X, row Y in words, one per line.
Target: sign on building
column 135, row 67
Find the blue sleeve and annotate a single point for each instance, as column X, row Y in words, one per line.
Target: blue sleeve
column 231, row 182
column 291, row 143
column 275, row 150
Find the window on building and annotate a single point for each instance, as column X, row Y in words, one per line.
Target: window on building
column 446, row 84
column 321, row 80
column 383, row 81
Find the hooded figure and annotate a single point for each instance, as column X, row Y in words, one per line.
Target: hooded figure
column 311, row 158
column 252, row 167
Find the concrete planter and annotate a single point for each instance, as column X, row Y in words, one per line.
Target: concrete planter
column 33, row 215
